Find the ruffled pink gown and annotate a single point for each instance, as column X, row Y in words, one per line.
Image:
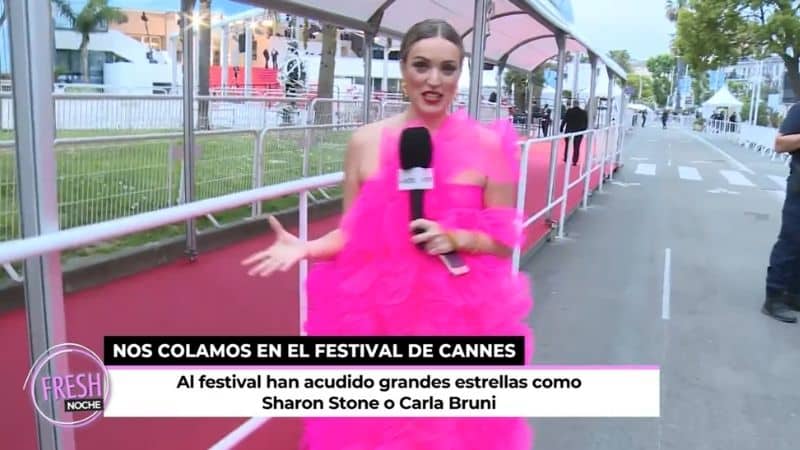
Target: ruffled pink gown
column 380, row 284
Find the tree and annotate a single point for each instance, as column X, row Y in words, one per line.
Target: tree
column 674, row 7
column 327, row 68
column 519, row 81
column 700, row 86
column 716, row 33
column 95, row 14
column 623, row 58
column 661, row 68
column 636, row 82
column 203, row 61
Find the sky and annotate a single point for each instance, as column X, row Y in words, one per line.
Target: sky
column 636, row 25
column 639, row 26
column 226, row 6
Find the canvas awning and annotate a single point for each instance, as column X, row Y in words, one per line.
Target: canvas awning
column 522, row 32
column 723, row 99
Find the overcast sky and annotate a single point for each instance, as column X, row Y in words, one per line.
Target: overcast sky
column 637, row 25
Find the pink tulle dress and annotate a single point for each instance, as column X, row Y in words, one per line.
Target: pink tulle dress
column 380, row 284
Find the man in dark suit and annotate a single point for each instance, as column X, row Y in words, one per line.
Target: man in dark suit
column 783, row 273
column 575, row 119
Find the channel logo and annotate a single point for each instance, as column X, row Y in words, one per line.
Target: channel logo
column 69, row 385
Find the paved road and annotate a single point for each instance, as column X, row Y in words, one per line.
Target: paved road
column 730, row 375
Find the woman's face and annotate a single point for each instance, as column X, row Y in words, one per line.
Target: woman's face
column 431, row 72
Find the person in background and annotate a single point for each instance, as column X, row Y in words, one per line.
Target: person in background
column 664, row 119
column 546, row 120
column 783, row 273
column 575, row 120
column 275, row 59
column 644, row 118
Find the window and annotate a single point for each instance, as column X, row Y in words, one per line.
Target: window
column 153, row 42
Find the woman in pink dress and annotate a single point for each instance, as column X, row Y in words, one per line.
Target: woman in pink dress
column 371, row 278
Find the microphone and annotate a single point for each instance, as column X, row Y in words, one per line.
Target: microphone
column 416, row 176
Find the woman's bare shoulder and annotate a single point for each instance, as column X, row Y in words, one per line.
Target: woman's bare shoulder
column 367, row 137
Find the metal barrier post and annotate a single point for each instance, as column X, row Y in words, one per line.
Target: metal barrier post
column 602, row 159
column 590, row 137
column 187, row 7
column 565, row 188
column 529, row 105
column 522, row 188
column 303, row 233
column 369, row 41
column 476, row 57
column 31, row 33
column 561, row 40
column 587, row 182
column 258, row 171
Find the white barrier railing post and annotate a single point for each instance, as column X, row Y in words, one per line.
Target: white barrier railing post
column 258, row 164
column 565, row 187
column 303, row 235
column 522, row 188
column 587, row 182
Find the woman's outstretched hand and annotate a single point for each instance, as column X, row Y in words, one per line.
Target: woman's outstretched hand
column 285, row 252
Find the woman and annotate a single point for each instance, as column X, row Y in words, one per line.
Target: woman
column 377, row 281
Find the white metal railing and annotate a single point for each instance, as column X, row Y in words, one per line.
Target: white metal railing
column 597, row 141
column 15, row 250
column 20, row 249
column 759, row 138
column 82, row 113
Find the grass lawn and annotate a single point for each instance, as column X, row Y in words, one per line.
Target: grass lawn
column 104, row 181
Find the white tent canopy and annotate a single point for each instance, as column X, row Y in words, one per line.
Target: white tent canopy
column 723, row 99
column 520, row 31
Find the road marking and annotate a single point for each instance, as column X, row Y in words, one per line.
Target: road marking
column 722, row 152
column 645, row 169
column 622, row 184
column 665, row 292
column 736, row 178
column 638, row 158
column 689, row 173
column 780, row 181
column 722, row 191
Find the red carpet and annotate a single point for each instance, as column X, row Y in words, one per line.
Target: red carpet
column 212, row 296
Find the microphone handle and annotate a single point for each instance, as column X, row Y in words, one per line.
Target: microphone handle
column 417, row 210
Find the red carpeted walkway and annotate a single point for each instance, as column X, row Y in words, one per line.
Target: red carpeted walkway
column 212, row 296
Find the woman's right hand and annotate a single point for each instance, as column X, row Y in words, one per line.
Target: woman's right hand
column 285, row 252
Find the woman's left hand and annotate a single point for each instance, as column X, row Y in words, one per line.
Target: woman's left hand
column 433, row 237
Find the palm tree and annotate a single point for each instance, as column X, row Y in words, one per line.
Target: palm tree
column 95, row 14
